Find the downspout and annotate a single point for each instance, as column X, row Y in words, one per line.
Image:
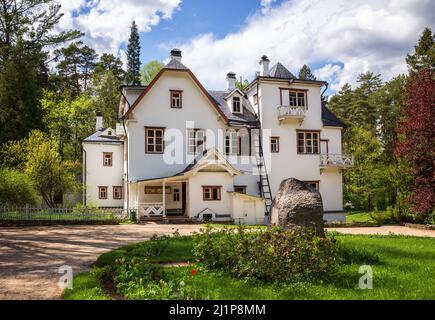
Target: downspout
column 84, row 175
column 126, row 151
column 326, row 88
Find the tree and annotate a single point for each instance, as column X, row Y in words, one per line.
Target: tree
column 20, row 89
column 106, row 97
column 50, row 175
column 417, row 139
column 242, row 84
column 75, row 68
column 133, row 56
column 306, row 74
column 149, row 71
column 389, row 100
column 424, row 56
column 108, row 62
column 362, row 182
column 16, row 189
column 30, row 22
column 26, row 32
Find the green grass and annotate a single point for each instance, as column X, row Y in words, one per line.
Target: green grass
column 234, row 226
column 360, row 217
column 405, row 270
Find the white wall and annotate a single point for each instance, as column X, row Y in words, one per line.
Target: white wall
column 99, row 175
column 331, row 189
column 250, row 214
column 154, row 110
column 197, row 204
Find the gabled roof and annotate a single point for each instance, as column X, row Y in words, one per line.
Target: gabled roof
column 329, row 119
column 220, row 99
column 281, row 72
column 209, row 158
column 175, row 65
column 101, row 136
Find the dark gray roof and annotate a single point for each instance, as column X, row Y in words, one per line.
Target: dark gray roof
column 100, row 138
column 175, row 64
column 329, row 119
column 279, row 71
column 248, row 112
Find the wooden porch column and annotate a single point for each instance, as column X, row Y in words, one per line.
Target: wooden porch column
column 164, row 197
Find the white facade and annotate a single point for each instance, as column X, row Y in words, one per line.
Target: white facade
column 220, row 180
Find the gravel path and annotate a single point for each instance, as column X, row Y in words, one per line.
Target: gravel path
column 30, row 257
column 386, row 230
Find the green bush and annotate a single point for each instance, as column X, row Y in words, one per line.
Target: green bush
column 16, row 188
column 271, row 256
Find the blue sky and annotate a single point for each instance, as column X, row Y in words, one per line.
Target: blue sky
column 193, row 18
column 338, row 39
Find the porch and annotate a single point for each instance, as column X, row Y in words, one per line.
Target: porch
column 161, row 199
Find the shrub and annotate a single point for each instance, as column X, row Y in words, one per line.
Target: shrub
column 16, row 188
column 272, row 256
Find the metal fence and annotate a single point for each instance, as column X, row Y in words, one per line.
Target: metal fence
column 84, row 214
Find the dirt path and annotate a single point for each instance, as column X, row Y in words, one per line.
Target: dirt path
column 386, row 230
column 30, row 257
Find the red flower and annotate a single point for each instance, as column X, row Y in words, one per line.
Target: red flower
column 193, row 272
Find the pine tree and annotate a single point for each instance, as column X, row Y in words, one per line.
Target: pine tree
column 424, row 56
column 306, row 74
column 133, row 57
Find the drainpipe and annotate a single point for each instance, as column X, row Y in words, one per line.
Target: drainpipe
column 326, row 88
column 84, row 175
column 126, row 146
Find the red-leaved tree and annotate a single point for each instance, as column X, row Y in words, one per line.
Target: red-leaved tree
column 416, row 144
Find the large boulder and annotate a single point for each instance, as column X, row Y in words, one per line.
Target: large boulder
column 297, row 204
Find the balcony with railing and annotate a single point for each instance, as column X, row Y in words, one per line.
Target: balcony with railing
column 291, row 112
column 336, row 160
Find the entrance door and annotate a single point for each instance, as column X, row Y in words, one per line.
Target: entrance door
column 249, row 215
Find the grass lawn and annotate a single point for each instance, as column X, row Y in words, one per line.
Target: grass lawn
column 405, row 270
column 359, row 217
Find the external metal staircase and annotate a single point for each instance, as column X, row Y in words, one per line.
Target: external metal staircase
column 264, row 177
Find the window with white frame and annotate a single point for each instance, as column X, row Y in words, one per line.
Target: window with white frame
column 176, row 195
column 176, row 99
column 231, row 143
column 274, row 144
column 297, row 98
column 237, row 108
column 107, row 159
column 308, row 142
column 102, row 192
column 195, row 141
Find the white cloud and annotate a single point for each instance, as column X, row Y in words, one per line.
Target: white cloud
column 106, row 22
column 348, row 36
column 266, row 5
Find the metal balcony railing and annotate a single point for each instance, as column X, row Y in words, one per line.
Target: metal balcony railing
column 336, row 160
column 291, row 112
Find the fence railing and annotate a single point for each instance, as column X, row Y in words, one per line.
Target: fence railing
column 291, row 112
column 84, row 214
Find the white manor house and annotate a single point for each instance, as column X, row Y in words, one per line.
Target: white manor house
column 183, row 152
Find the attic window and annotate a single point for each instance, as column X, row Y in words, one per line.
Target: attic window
column 109, row 133
column 236, row 105
column 176, row 99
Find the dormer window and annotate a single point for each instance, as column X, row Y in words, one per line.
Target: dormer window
column 176, row 99
column 237, row 108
